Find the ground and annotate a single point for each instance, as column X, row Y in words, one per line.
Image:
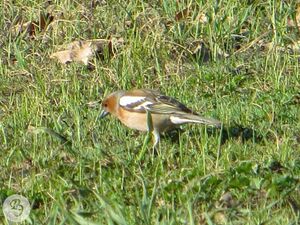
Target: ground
column 236, row 61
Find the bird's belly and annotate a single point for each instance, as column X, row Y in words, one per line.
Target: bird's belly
column 138, row 121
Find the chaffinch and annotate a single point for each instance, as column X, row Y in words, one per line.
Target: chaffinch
column 149, row 110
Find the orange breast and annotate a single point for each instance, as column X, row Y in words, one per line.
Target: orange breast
column 138, row 121
column 133, row 120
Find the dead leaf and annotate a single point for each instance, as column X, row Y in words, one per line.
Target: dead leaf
column 202, row 18
column 187, row 13
column 294, row 47
column 45, row 20
column 78, row 51
column 27, row 27
column 183, row 14
column 95, row 3
column 83, row 51
column 295, row 23
column 32, row 27
column 290, row 48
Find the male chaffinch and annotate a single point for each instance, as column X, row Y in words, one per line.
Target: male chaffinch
column 134, row 108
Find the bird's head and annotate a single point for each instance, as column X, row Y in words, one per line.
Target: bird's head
column 109, row 104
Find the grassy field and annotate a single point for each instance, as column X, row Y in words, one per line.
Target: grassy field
column 236, row 61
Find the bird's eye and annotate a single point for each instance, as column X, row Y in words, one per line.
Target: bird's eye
column 105, row 105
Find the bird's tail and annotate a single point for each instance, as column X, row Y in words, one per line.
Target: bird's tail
column 191, row 118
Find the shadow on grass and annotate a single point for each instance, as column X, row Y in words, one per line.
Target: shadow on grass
column 234, row 132
column 240, row 132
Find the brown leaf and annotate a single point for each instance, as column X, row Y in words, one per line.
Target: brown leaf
column 27, row 27
column 294, row 47
column 295, row 23
column 202, row 18
column 78, row 51
column 187, row 13
column 32, row 27
column 290, row 48
column 83, row 51
column 183, row 14
column 45, row 20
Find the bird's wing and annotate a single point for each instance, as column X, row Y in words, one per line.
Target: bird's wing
column 166, row 104
column 152, row 101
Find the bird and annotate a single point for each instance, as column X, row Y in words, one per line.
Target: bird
column 150, row 110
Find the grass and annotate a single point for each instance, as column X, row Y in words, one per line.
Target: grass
column 76, row 169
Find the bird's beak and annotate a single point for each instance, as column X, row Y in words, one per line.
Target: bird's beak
column 103, row 114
